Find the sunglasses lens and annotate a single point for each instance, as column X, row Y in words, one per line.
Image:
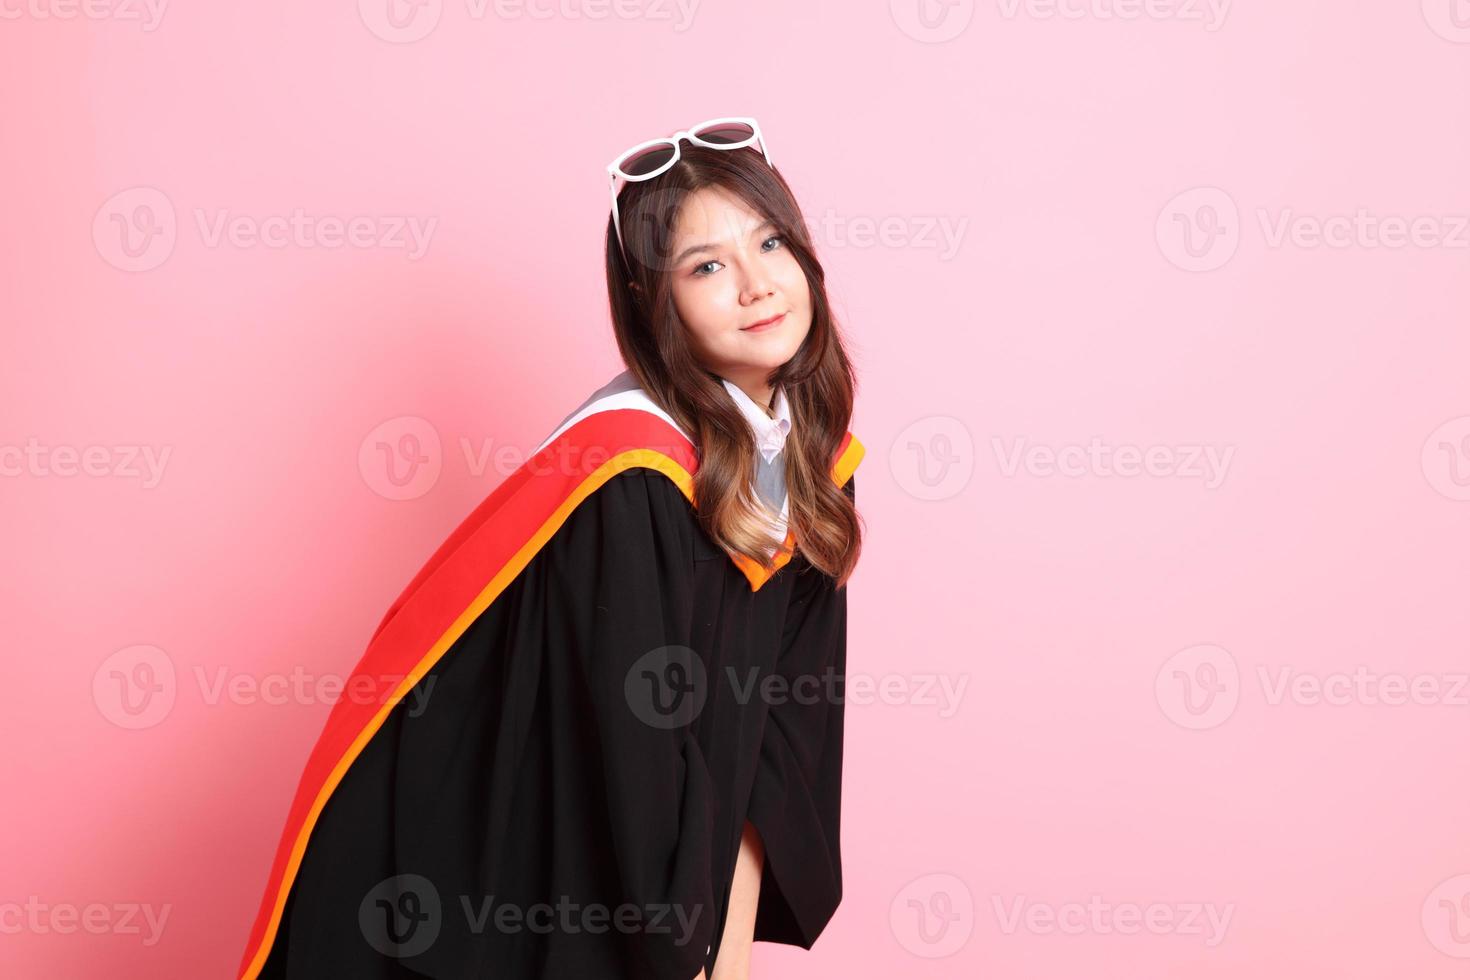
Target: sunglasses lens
column 731, row 133
column 648, row 161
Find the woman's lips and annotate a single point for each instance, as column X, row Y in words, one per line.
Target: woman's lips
column 764, row 324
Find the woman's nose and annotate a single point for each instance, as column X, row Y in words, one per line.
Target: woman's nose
column 757, row 281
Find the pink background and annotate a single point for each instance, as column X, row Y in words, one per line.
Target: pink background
column 1114, row 187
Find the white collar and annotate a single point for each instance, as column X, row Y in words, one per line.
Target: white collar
column 770, row 433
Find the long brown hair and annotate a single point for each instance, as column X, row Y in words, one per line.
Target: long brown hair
column 818, row 380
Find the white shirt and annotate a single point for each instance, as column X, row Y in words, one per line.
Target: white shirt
column 770, row 439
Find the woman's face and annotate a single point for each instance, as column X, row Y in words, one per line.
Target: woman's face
column 729, row 271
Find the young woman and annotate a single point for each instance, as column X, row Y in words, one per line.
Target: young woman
column 599, row 735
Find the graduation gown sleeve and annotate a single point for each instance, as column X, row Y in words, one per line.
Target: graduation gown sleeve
column 630, row 636
column 796, row 798
column 532, row 765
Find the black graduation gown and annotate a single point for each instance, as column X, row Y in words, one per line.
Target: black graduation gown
column 558, row 733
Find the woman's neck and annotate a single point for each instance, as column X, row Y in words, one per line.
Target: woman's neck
column 757, row 391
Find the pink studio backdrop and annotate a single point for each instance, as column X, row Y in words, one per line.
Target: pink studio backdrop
column 1159, row 641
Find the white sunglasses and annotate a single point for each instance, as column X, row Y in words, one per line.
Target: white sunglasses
column 647, row 160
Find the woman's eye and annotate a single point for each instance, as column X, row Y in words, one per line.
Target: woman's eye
column 699, row 269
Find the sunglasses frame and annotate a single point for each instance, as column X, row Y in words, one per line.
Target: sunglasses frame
column 615, row 169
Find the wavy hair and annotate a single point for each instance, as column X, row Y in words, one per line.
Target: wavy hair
column 818, row 380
